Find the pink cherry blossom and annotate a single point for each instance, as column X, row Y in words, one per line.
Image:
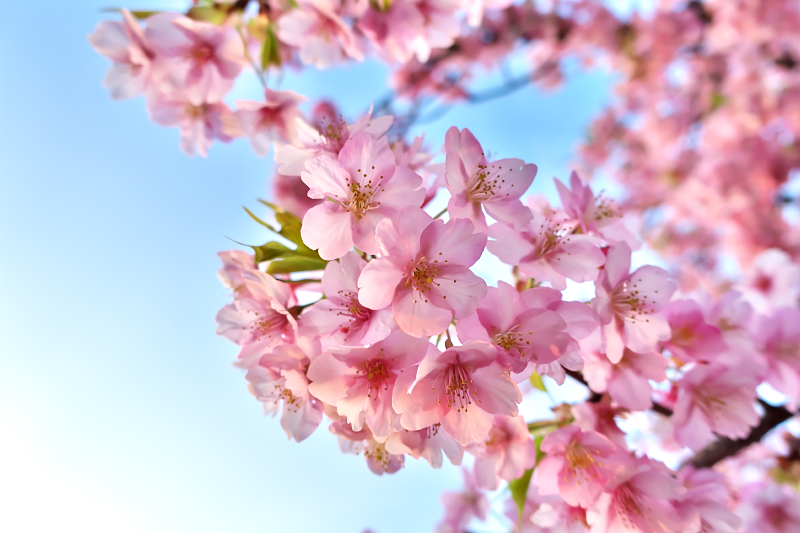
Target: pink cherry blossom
column 195, row 60
column 474, row 183
column 714, row 399
column 360, row 381
column 521, row 332
column 379, row 460
column 461, row 388
column 772, row 281
column 506, row 452
column 706, row 497
column 317, row 29
column 363, row 187
column 637, row 499
column 628, row 304
column 292, row 194
column 275, row 118
column 778, row 340
column 260, row 317
column 599, row 417
column 125, row 45
column 627, row 382
column 327, row 139
column 692, row 339
column 547, row 250
column 771, row 509
column 423, row 272
column 340, row 315
column 476, row 9
column 461, row 507
column 430, row 443
column 576, row 466
column 234, row 264
column 200, row 124
column 279, row 377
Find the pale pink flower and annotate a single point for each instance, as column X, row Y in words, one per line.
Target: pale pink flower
column 279, row 376
column 595, row 215
column 547, row 250
column 506, row 452
column 637, row 500
column 474, row 183
column 363, row 186
column 706, row 497
column 429, row 443
column 340, row 315
column 778, row 340
column 274, row 119
column 692, row 339
column 291, row 194
column 200, row 124
column 599, row 417
column 714, row 399
column 628, row 304
column 521, row 332
column 627, row 382
column 544, row 514
column 461, row 507
column 461, row 388
column 403, row 29
column 328, row 139
column 379, row 460
column 772, row 281
column 423, row 272
column 125, row 45
column 262, row 316
column 234, row 264
column 317, row 29
column 771, row 509
column 360, row 381
column 576, row 466
column 196, row 61
column 476, row 9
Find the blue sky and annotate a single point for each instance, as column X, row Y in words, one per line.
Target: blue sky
column 119, row 409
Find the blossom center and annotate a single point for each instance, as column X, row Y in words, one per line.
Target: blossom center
column 629, row 303
column 581, row 461
column 267, row 323
column 201, row 53
column 485, row 183
column 458, row 388
column 376, row 373
column 422, row 274
column 351, row 308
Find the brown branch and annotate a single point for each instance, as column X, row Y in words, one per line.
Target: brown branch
column 725, row 447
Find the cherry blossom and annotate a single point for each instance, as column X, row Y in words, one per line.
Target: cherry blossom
column 363, row 186
column 474, row 183
column 275, row 118
column 778, row 339
column 460, row 388
column 628, row 304
column 461, row 507
column 576, row 466
column 505, row 454
column 423, row 272
column 200, row 124
column 340, row 315
column 429, row 443
column 692, row 339
column 319, row 31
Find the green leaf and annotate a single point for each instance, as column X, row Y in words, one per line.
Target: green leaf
column 717, row 100
column 270, row 250
column 269, row 227
column 536, row 381
column 539, row 453
column 290, row 228
column 211, row 14
column 270, row 52
column 519, row 490
column 296, row 263
column 139, row 14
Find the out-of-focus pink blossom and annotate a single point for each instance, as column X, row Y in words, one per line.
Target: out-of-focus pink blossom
column 545, row 514
column 461, row 507
column 628, row 304
column 200, row 124
column 317, row 29
column 262, row 316
column 340, row 316
column 474, row 183
column 714, row 399
column 770, row 509
column 476, row 9
column 379, row 460
column 275, row 118
column 547, row 250
column 772, row 281
column 692, row 339
column 778, row 340
column 599, row 417
column 506, row 452
column 292, row 194
column 234, row 264
column 423, row 272
column 360, row 381
column 576, row 466
column 362, row 187
column 461, row 388
column 194, row 60
column 521, row 332
column 637, row 499
column 125, row 45
column 706, row 497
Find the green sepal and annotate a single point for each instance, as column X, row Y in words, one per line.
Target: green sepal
column 296, row 263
